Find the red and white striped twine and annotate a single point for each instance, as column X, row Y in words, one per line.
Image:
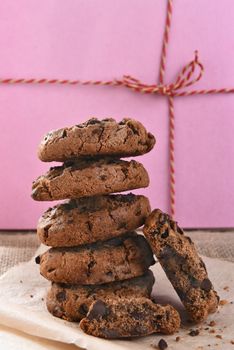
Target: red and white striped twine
column 189, row 75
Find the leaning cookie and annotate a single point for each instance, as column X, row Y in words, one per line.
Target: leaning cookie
column 117, row 259
column 96, row 138
column 72, row 302
column 184, row 268
column 90, row 219
column 89, row 178
column 130, row 317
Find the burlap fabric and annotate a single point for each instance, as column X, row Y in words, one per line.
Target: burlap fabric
column 19, row 247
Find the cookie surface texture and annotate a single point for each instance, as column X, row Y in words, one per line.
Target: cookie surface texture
column 134, row 317
column 90, row 219
column 96, row 138
column 72, row 302
column 117, row 259
column 89, row 178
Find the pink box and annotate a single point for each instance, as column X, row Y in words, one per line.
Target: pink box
column 104, row 40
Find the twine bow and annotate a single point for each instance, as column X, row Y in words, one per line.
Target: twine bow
column 184, row 79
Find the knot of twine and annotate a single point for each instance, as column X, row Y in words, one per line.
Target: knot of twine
column 189, row 75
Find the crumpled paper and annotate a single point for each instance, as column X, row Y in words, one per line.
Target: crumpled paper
column 22, row 307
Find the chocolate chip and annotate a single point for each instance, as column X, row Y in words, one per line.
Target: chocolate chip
column 180, row 231
column 162, row 344
column 38, row 259
column 194, row 332
column 98, row 310
column 123, row 122
column 165, row 234
column 181, row 293
column 206, row 285
column 52, row 269
column 159, row 317
column 46, row 231
column 61, row 296
column 83, row 309
column 93, row 121
column 194, row 282
column 134, row 129
column 103, row 177
column 189, row 239
column 108, row 120
column 64, row 134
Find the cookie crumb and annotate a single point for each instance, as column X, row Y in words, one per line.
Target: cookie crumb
column 223, row 302
column 194, row 332
column 212, row 331
column 206, row 329
column 177, row 339
column 212, row 323
column 219, row 336
column 232, row 342
column 226, row 288
column 37, row 259
column 31, row 296
column 42, row 299
column 21, row 281
column 162, row 344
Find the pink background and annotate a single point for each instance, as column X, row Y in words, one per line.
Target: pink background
column 104, row 39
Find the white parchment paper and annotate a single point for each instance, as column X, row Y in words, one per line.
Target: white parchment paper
column 22, row 307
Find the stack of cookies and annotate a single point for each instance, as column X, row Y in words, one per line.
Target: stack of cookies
column 95, row 252
column 98, row 264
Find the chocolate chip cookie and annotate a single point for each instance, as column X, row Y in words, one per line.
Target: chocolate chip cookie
column 184, row 268
column 90, row 219
column 89, row 178
column 72, row 302
column 130, row 317
column 96, row 138
column 117, row 259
